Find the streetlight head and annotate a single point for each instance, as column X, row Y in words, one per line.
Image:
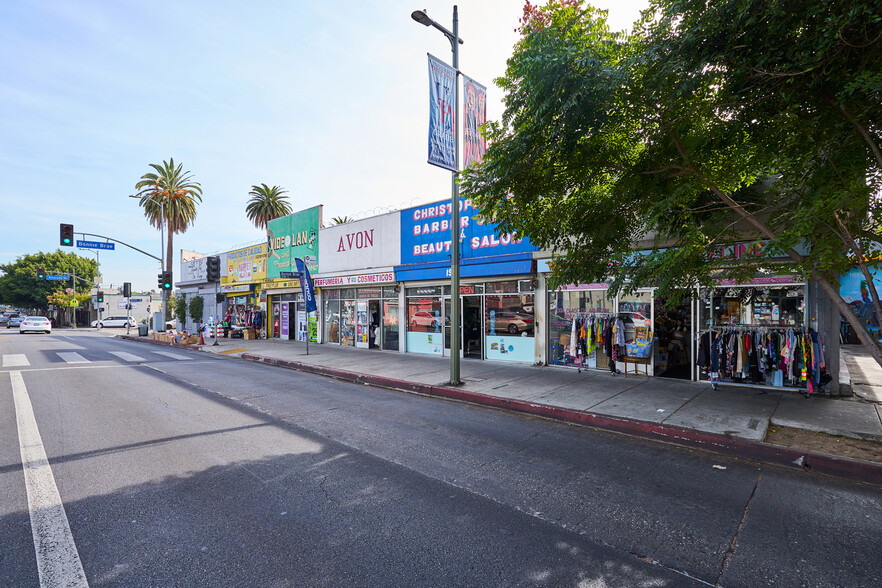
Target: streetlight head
column 421, row 17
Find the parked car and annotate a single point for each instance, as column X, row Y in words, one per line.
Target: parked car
column 423, row 319
column 35, row 323
column 14, row 321
column 115, row 321
column 511, row 322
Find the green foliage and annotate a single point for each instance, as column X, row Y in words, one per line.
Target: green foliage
column 341, row 220
column 712, row 123
column 266, row 204
column 197, row 305
column 20, row 286
column 179, row 307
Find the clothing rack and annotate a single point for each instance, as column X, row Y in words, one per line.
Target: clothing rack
column 748, row 355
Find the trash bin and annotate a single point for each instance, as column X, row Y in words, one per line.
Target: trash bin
column 142, row 330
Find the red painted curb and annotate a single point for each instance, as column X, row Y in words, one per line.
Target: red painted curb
column 831, row 465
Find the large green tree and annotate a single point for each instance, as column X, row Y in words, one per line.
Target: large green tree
column 712, row 122
column 169, row 195
column 20, row 286
column 266, row 204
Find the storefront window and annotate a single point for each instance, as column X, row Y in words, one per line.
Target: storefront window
column 502, row 287
column 332, row 321
column 425, row 291
column 773, row 306
column 509, row 327
column 390, row 292
column 331, row 294
column 424, row 315
column 347, row 322
column 364, row 293
column 564, row 307
column 635, row 310
column 349, row 293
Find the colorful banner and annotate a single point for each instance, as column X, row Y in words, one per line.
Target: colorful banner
column 442, row 114
column 290, row 237
column 245, row 265
column 475, row 103
column 306, row 285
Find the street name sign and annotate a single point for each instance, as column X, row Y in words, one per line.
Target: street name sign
column 56, row 278
column 95, row 245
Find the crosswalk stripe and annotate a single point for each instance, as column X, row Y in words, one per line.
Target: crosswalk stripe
column 127, row 356
column 15, row 360
column 173, row 355
column 72, row 357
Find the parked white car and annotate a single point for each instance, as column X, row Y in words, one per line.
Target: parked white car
column 115, row 321
column 35, row 323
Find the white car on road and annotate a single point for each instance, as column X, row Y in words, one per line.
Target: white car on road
column 115, row 321
column 35, row 323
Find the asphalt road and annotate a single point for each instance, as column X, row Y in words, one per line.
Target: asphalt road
column 176, row 468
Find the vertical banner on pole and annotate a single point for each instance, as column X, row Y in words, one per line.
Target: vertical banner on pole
column 306, row 285
column 442, row 108
column 475, row 115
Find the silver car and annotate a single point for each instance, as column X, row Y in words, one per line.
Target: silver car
column 14, row 321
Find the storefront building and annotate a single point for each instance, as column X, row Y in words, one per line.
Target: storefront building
column 288, row 238
column 356, row 284
column 752, row 327
column 242, row 287
column 194, row 282
column 499, row 320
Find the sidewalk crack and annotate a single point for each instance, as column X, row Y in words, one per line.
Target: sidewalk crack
column 730, row 553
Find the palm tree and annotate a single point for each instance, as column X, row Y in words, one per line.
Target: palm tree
column 341, row 220
column 169, row 195
column 266, row 204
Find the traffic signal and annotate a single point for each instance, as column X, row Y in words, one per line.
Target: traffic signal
column 213, row 273
column 127, row 289
column 159, row 278
column 67, row 235
column 166, row 281
column 219, row 297
column 100, row 296
column 41, row 273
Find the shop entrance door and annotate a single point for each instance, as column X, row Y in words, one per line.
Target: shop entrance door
column 673, row 328
column 472, row 327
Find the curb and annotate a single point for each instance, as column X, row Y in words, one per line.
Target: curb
column 831, row 465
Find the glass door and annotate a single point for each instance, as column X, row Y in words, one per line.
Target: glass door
column 472, row 330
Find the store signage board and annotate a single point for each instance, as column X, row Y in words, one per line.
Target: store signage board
column 385, row 277
column 293, row 236
column 425, row 234
column 95, row 245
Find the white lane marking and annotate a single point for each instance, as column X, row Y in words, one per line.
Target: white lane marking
column 173, row 355
column 58, row 561
column 127, row 356
column 15, row 360
column 72, row 357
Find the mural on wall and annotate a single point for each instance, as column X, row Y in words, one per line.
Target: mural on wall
column 425, row 234
column 853, row 289
column 293, row 236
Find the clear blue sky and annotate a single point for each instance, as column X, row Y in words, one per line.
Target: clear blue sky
column 326, row 99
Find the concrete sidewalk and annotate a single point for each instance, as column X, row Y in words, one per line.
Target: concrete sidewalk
column 732, row 420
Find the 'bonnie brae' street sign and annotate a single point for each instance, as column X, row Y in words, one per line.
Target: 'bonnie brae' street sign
column 95, row 245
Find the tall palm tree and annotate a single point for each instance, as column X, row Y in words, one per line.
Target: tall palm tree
column 341, row 220
column 171, row 195
column 266, row 204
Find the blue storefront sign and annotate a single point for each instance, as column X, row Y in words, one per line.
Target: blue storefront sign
column 425, row 235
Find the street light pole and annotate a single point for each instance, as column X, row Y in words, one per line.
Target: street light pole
column 453, row 36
